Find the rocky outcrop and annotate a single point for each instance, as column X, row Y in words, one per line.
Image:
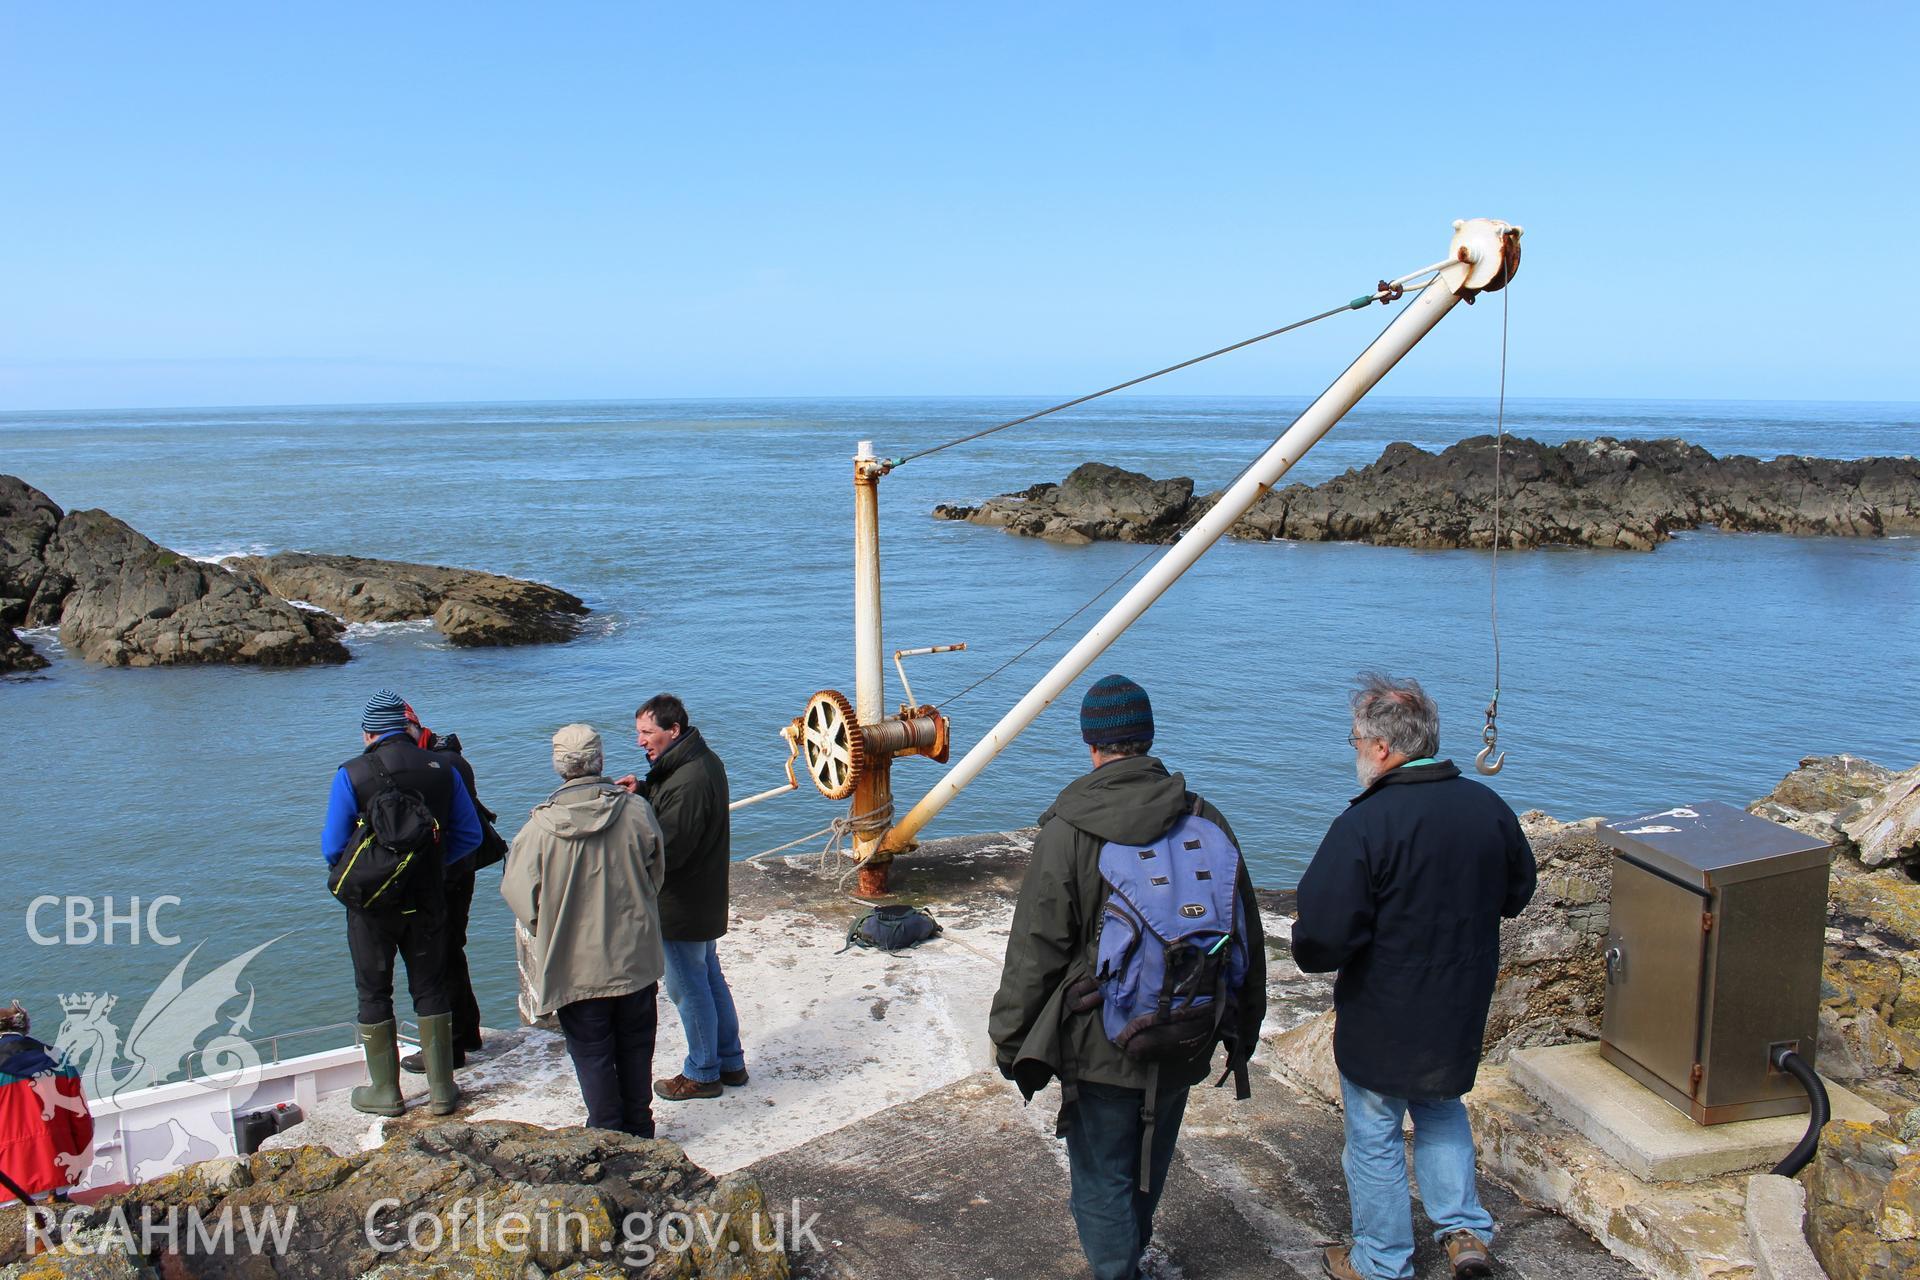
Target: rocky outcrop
column 121, row 599
column 1096, row 503
column 1813, row 797
column 468, row 607
column 1886, row 831
column 1870, row 1004
column 1863, row 1197
column 493, row 1200
column 16, row 654
column 1607, row 493
column 1864, row 1187
column 1552, row 979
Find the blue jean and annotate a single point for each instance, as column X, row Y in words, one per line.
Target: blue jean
column 1375, row 1161
column 699, row 991
column 1113, row 1216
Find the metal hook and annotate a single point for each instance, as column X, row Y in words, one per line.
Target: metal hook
column 1489, row 736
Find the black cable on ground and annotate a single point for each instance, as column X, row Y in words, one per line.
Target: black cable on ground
column 1822, row 1110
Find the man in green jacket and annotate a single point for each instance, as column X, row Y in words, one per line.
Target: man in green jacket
column 1131, row 799
column 687, row 787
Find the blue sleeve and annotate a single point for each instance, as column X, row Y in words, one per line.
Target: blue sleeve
column 463, row 824
column 342, row 813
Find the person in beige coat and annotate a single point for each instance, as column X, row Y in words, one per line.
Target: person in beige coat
column 583, row 877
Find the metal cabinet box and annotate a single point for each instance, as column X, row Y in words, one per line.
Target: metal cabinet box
column 1713, row 958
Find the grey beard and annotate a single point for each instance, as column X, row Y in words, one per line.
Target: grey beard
column 1360, row 772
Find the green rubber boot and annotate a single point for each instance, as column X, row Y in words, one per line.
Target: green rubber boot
column 436, row 1046
column 380, row 1097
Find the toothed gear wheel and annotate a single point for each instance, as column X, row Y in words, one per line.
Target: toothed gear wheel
column 831, row 745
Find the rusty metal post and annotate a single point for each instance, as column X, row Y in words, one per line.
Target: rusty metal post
column 873, row 794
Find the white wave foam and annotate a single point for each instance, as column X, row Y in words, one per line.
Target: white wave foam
column 599, row 625
column 223, row 554
column 45, row 639
column 373, row 630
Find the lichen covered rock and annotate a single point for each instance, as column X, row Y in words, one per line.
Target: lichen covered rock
column 1863, row 1210
column 1552, row 977
column 495, row 1199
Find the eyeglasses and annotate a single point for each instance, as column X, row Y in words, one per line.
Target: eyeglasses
column 1355, row 739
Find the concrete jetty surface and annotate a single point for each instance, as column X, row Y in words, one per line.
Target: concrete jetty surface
column 874, row 1103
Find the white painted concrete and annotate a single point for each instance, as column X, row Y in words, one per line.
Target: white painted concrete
column 1776, row 1217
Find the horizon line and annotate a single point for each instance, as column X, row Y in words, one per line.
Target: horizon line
column 927, row 396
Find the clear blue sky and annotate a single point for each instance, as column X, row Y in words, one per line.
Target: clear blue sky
column 341, row 202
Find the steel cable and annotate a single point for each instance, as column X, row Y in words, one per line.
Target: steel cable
column 1158, row 548
column 1355, row 305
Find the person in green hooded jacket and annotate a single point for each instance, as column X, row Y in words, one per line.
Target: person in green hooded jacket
column 1130, row 798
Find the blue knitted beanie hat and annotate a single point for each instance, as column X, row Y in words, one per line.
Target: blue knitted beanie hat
column 1115, row 710
column 386, row 713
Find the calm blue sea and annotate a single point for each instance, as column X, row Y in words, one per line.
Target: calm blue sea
column 713, row 541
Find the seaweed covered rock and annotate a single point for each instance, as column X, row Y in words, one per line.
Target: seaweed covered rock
column 1095, row 503
column 467, row 606
column 1618, row 494
column 121, row 599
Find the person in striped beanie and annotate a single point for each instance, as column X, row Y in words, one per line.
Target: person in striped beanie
column 1120, row 1115
column 1116, row 710
column 391, row 764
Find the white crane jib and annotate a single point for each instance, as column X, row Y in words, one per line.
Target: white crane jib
column 849, row 750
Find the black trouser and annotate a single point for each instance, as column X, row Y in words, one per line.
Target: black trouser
column 611, row 1043
column 466, row 1009
column 372, row 940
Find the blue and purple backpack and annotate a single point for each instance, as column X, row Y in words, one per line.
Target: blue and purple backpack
column 1170, row 955
column 1172, row 943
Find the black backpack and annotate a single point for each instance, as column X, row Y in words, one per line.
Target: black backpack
column 493, row 846
column 395, row 842
column 893, row 928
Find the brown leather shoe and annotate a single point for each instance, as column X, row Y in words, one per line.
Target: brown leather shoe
column 1337, row 1264
column 734, row 1079
column 1469, row 1255
column 681, row 1089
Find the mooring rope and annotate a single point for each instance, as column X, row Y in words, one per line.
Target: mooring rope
column 836, row 832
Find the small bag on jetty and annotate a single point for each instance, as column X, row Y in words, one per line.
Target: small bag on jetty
column 893, row 928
